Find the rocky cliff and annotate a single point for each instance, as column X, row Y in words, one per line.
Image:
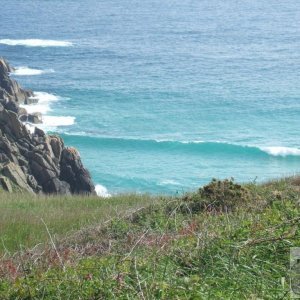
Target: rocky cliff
column 36, row 162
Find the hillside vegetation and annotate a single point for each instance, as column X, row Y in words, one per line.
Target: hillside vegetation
column 224, row 241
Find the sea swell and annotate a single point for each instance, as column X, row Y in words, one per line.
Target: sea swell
column 191, row 147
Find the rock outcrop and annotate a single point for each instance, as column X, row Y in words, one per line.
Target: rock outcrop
column 36, row 162
column 12, row 95
column 10, row 90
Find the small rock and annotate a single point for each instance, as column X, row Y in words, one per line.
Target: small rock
column 35, row 118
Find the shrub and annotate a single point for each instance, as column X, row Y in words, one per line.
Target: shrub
column 218, row 195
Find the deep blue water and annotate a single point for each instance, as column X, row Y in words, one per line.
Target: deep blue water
column 165, row 94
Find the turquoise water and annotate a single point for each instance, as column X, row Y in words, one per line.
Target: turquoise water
column 161, row 97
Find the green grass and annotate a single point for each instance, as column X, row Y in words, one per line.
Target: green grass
column 226, row 241
column 23, row 216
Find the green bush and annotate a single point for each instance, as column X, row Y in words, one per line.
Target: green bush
column 218, row 195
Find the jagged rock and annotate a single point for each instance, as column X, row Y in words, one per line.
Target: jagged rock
column 9, row 149
column 33, row 183
column 35, row 162
column 42, row 169
column 57, row 186
column 23, row 162
column 5, row 183
column 5, row 68
column 10, row 105
column 73, row 172
column 35, row 118
column 4, row 159
column 57, row 145
column 12, row 124
column 39, row 132
column 9, row 88
column 16, row 175
column 31, row 100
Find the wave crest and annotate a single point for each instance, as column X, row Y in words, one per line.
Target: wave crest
column 50, row 123
column 281, row 151
column 101, row 191
column 195, row 147
column 54, row 121
column 43, row 104
column 25, row 71
column 36, row 43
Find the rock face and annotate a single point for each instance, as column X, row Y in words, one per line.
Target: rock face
column 35, row 162
column 11, row 93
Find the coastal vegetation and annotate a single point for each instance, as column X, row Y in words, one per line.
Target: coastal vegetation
column 224, row 241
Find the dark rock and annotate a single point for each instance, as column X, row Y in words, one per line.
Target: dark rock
column 4, row 159
column 42, row 170
column 34, row 162
column 33, row 183
column 57, row 186
column 35, row 118
column 5, row 68
column 39, row 132
column 73, row 172
column 23, row 162
column 16, row 175
column 11, row 105
column 5, row 183
column 9, row 88
column 31, row 100
column 57, row 145
column 9, row 149
column 12, row 124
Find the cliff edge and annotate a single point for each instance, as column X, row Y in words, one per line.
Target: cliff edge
column 35, row 162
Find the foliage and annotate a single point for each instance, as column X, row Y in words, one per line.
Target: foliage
column 218, row 195
column 159, row 251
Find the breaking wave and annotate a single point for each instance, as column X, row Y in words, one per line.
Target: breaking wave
column 192, row 147
column 25, row 71
column 43, row 105
column 36, row 43
column 101, row 191
column 281, row 151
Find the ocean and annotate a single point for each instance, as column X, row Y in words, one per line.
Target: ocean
column 162, row 96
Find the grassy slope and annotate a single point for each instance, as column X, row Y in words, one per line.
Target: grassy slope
column 228, row 242
column 22, row 216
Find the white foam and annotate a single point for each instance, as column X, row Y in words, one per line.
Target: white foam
column 54, row 121
column 45, row 97
column 281, row 151
column 43, row 104
column 36, row 43
column 50, row 123
column 169, row 182
column 30, row 127
column 25, row 71
column 174, row 141
column 192, row 142
column 102, row 191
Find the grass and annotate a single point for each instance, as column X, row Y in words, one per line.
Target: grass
column 225, row 241
column 23, row 215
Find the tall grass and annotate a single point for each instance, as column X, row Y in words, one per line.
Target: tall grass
column 22, row 216
column 225, row 241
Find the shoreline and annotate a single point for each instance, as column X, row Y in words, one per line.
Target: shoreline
column 34, row 161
